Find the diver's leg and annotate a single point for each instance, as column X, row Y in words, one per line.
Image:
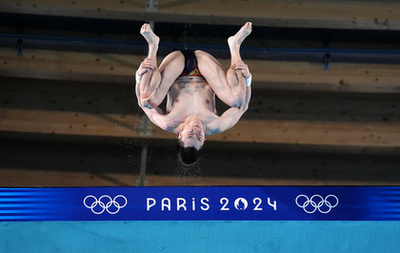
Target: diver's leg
column 235, row 41
column 170, row 68
column 229, row 86
column 148, row 76
column 155, row 81
column 239, row 71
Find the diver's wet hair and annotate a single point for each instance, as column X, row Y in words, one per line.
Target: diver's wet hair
column 188, row 156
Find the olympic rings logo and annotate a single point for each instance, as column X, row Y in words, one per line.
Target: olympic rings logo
column 105, row 203
column 317, row 202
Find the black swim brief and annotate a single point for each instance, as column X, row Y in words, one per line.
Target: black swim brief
column 191, row 68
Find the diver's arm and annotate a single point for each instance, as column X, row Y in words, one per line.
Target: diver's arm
column 231, row 116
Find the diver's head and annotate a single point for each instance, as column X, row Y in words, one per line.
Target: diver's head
column 190, row 143
column 192, row 135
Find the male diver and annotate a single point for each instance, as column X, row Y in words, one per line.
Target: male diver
column 190, row 80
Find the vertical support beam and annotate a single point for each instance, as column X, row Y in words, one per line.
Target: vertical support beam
column 144, row 130
column 151, row 6
column 145, row 124
column 142, row 181
column 327, row 60
column 20, row 47
column 326, row 42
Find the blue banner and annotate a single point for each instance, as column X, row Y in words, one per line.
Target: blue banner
column 199, row 203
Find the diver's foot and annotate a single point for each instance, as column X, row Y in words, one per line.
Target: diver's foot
column 151, row 38
column 237, row 39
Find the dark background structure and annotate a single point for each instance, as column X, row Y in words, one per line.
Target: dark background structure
column 325, row 108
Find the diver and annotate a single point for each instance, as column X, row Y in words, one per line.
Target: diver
column 190, row 80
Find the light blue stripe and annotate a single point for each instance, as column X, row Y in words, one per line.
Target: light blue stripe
column 20, row 218
column 24, row 191
column 23, row 199
column 197, row 236
column 18, row 204
column 17, row 212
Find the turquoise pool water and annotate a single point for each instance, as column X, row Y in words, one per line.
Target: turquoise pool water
column 201, row 236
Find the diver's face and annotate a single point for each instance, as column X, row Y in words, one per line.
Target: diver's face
column 193, row 135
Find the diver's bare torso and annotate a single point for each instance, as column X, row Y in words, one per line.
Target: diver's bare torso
column 191, row 97
column 190, row 110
